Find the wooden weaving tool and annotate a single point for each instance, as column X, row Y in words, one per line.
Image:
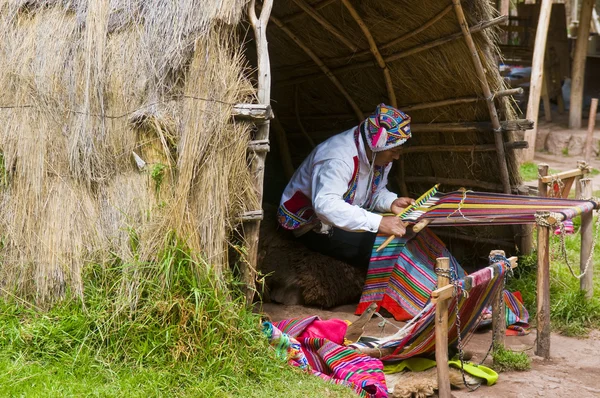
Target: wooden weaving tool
column 419, row 202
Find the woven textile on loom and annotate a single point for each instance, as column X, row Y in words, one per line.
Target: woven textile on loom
column 419, row 337
column 484, row 208
column 401, row 278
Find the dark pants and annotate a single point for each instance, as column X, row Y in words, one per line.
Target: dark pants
column 353, row 248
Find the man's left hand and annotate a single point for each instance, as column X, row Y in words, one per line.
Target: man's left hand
column 400, row 204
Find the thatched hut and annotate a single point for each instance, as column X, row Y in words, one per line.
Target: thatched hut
column 116, row 126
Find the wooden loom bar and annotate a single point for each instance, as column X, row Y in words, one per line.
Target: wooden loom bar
column 398, row 55
column 563, row 175
column 586, row 283
column 257, row 165
column 325, row 24
column 543, row 277
column 487, row 93
column 441, row 331
column 375, row 51
column 321, row 65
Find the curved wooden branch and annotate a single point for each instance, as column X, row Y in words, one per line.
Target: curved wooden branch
column 487, row 93
column 375, row 51
column 321, row 65
column 401, row 54
column 325, row 24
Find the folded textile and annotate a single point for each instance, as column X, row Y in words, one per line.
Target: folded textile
column 325, row 358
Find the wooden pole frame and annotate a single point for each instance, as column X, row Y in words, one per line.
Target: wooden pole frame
column 586, row 283
column 441, row 331
column 579, row 59
column 487, row 93
column 257, row 162
column 537, row 74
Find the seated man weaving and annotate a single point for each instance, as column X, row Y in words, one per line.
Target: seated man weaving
column 331, row 200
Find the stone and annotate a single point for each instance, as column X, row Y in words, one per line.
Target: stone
column 576, row 145
column 540, row 139
column 557, row 142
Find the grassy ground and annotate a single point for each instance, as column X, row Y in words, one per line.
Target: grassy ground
column 571, row 313
column 192, row 339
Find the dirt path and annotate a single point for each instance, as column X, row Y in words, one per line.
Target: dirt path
column 573, row 371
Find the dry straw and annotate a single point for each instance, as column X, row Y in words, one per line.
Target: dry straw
column 85, row 85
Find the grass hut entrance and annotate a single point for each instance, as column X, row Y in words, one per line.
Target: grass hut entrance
column 333, row 61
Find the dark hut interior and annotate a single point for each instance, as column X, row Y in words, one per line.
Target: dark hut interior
column 333, row 61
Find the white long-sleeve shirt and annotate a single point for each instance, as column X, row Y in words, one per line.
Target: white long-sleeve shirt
column 324, row 178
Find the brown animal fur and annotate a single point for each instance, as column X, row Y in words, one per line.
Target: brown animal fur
column 297, row 275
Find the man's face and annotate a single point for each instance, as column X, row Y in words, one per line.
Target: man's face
column 384, row 157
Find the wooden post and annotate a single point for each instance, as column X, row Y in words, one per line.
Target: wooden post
column 542, row 186
column 537, row 72
column 487, row 93
column 257, row 166
column 543, row 292
column 589, row 139
column 579, row 58
column 586, row 283
column 441, row 333
column 284, row 148
column 546, row 96
column 498, row 314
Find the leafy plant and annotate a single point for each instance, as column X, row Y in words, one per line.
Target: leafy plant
column 158, row 174
column 508, row 360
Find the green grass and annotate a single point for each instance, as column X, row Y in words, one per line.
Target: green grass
column 529, row 171
column 188, row 334
column 506, row 360
column 570, row 312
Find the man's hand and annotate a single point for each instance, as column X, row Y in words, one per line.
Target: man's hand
column 392, row 225
column 400, row 204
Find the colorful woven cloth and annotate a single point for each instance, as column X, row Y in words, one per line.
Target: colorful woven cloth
column 401, row 278
column 485, row 208
column 419, row 337
column 326, row 359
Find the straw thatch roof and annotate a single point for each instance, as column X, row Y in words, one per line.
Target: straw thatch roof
column 115, row 129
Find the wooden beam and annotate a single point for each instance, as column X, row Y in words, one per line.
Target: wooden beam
column 252, row 215
column 299, row 15
column 578, row 70
column 537, row 76
column 253, row 112
column 543, row 292
column 257, row 160
column 375, row 51
column 396, row 56
column 589, row 138
column 441, row 332
column 321, row 65
column 307, row 8
column 462, row 148
column 457, row 182
column 470, row 127
column 487, row 93
column 563, row 175
column 284, row 148
column 259, row 146
column 442, row 293
column 586, row 283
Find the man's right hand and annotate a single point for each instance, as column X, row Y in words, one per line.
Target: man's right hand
column 392, row 225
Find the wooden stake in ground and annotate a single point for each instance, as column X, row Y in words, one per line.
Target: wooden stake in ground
column 586, row 283
column 579, row 58
column 537, row 75
column 441, row 331
column 543, row 276
column 498, row 315
column 589, row 139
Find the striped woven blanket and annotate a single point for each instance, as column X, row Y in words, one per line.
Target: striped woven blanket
column 324, row 358
column 401, row 278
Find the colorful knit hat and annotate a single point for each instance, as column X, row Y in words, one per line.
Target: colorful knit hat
column 387, row 128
